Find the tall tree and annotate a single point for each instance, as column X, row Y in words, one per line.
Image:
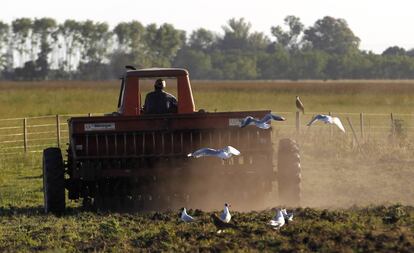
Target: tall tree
column 202, row 40
column 197, row 62
column 163, row 43
column 44, row 31
column 70, row 35
column 258, row 41
column 4, row 40
column 130, row 35
column 288, row 39
column 236, row 35
column 95, row 42
column 332, row 36
column 95, row 39
column 131, row 46
column 22, row 29
column 393, row 51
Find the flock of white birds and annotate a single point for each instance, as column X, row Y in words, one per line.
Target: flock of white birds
column 222, row 222
column 263, row 123
column 282, row 217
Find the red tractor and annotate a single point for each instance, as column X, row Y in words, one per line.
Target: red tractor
column 131, row 160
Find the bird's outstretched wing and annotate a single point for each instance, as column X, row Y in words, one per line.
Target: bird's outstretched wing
column 320, row 117
column 247, row 121
column 338, row 123
column 268, row 117
column 231, row 150
column 203, row 152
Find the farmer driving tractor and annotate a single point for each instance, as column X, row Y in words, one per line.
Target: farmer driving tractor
column 159, row 101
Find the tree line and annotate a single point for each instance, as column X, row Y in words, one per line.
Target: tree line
column 41, row 49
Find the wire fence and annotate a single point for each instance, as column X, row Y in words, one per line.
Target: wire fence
column 33, row 134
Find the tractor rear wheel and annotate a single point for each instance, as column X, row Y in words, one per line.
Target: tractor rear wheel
column 289, row 173
column 53, row 181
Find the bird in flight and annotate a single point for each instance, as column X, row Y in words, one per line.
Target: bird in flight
column 224, row 153
column 261, row 123
column 300, row 105
column 278, row 220
column 328, row 120
column 225, row 216
column 186, row 217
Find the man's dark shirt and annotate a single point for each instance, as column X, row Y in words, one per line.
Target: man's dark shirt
column 159, row 101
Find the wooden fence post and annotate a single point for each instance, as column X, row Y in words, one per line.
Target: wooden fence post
column 25, row 134
column 330, row 126
column 58, row 130
column 353, row 132
column 298, row 122
column 361, row 125
column 392, row 126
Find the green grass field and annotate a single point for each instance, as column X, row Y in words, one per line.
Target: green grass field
column 352, row 200
column 66, row 97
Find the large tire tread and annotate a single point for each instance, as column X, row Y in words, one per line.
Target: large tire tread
column 53, row 181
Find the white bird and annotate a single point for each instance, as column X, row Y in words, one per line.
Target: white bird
column 288, row 216
column 328, row 120
column 224, row 153
column 278, row 221
column 261, row 123
column 225, row 216
column 186, row 217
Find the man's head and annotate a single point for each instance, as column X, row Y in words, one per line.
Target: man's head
column 159, row 84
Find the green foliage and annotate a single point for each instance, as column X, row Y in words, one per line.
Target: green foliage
column 196, row 62
column 94, row 39
column 4, row 39
column 163, row 44
column 288, row 39
column 327, row 50
column 202, row 40
column 332, row 36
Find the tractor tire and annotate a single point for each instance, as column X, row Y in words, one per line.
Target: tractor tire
column 53, row 181
column 289, row 173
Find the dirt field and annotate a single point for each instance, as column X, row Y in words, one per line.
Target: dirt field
column 354, row 198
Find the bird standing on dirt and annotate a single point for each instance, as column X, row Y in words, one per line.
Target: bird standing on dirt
column 224, row 153
column 262, row 123
column 221, row 225
column 328, row 120
column 300, row 105
column 278, row 221
column 185, row 217
column 225, row 215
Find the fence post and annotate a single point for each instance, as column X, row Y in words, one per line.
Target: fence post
column 392, row 127
column 361, row 125
column 330, row 126
column 25, row 134
column 58, row 130
column 298, row 122
column 354, row 134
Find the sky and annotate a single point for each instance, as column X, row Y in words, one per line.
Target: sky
column 379, row 24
